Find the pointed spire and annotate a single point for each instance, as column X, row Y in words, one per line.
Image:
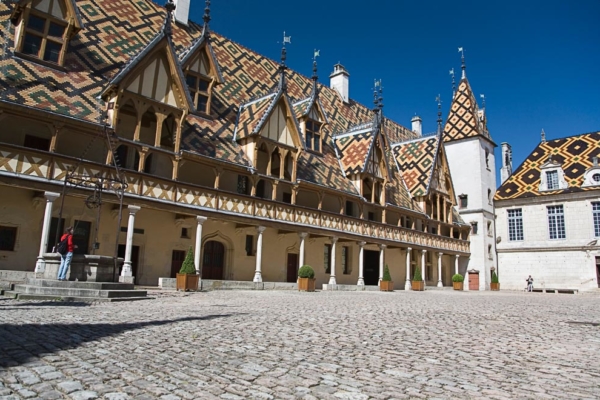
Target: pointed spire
column 482, row 96
column 167, row 27
column 206, row 18
column 316, row 54
column 439, row 120
column 463, row 64
column 453, row 82
column 282, row 66
column 543, row 136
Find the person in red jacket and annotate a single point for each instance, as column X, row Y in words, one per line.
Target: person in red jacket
column 65, row 262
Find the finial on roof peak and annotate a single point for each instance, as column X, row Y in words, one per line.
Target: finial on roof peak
column 282, row 66
column 463, row 64
column 206, row 18
column 316, row 53
column 482, row 96
column 378, row 95
column 543, row 136
column 453, row 82
column 439, row 120
column 167, row 27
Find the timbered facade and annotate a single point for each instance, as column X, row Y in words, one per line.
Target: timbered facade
column 255, row 166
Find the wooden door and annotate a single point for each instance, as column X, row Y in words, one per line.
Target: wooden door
column 213, row 260
column 371, row 267
column 292, row 267
column 473, row 280
column 176, row 261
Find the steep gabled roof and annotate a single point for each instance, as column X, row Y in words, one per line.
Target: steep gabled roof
column 253, row 115
column 464, row 118
column 355, row 146
column 71, row 7
column 202, row 42
column 416, row 160
column 574, row 153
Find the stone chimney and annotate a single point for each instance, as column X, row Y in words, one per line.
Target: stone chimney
column 417, row 125
column 506, row 169
column 182, row 11
column 339, row 80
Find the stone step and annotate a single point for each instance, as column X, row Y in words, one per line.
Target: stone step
column 52, row 283
column 76, row 292
column 27, row 296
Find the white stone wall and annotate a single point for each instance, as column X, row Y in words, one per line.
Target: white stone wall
column 473, row 177
column 557, row 263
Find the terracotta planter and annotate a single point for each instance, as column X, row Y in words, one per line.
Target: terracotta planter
column 386, row 286
column 187, row 282
column 306, row 284
column 457, row 285
column 495, row 286
column 418, row 286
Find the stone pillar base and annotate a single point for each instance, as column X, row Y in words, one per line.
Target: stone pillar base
column 407, row 285
column 127, row 279
column 440, row 284
column 257, row 277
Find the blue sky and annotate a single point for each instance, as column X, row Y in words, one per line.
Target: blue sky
column 537, row 62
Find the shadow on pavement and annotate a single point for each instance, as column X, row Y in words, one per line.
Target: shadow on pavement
column 20, row 344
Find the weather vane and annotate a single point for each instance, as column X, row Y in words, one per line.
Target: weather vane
column 317, row 53
column 462, row 58
column 482, row 99
column 453, row 81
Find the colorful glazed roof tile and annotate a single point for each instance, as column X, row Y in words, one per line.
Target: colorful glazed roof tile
column 465, row 120
column 118, row 30
column 416, row 159
column 575, row 155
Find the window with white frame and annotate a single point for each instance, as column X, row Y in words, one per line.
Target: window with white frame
column 556, row 222
column 596, row 216
column 515, row 225
column 552, row 180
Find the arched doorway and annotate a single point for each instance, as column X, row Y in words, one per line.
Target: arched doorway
column 213, row 260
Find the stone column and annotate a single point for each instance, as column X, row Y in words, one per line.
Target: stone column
column 407, row 284
column 423, row 253
column 40, row 265
column 258, row 271
column 381, row 262
column 440, row 284
column 200, row 221
column 303, row 236
column 126, row 272
column 456, row 264
column 361, row 264
column 332, row 276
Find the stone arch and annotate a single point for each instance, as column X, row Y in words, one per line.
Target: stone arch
column 226, row 241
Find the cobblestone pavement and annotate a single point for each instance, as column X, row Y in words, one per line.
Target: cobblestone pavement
column 289, row 345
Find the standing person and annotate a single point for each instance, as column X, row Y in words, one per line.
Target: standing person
column 529, row 284
column 65, row 262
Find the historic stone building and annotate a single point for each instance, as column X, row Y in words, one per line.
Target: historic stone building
column 548, row 215
column 210, row 145
column 470, row 151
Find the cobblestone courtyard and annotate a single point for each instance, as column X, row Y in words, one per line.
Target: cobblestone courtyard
column 286, row 345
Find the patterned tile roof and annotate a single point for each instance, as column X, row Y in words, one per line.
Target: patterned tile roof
column 575, row 154
column 464, row 117
column 253, row 114
column 416, row 159
column 116, row 30
column 354, row 149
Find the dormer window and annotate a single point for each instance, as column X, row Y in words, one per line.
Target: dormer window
column 199, row 90
column 552, row 176
column 552, row 180
column 313, row 135
column 43, row 31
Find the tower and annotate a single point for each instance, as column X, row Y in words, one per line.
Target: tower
column 470, row 152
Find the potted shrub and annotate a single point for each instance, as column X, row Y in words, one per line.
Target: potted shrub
column 306, row 279
column 417, row 282
column 495, row 285
column 187, row 278
column 386, row 284
column 457, row 281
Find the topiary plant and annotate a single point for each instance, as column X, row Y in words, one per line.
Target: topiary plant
column 306, row 271
column 494, row 277
column 188, row 264
column 458, row 278
column 417, row 277
column 386, row 274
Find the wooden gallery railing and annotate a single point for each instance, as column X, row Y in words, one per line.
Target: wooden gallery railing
column 43, row 166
